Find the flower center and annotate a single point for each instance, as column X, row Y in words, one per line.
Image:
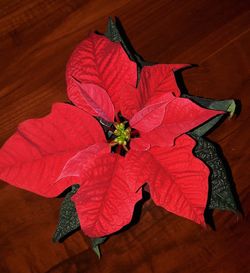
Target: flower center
column 118, row 134
column 122, row 135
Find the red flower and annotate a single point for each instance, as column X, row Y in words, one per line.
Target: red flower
column 68, row 146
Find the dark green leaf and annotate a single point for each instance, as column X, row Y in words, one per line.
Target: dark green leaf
column 68, row 219
column 221, row 105
column 113, row 34
column 96, row 245
column 220, row 195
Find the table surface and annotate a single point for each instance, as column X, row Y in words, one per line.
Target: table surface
column 36, row 40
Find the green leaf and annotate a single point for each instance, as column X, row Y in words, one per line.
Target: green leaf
column 221, row 105
column 231, row 109
column 113, row 34
column 220, row 195
column 68, row 219
column 96, row 245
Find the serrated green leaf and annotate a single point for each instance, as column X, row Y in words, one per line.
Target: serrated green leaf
column 221, row 105
column 68, row 218
column 220, row 195
column 96, row 242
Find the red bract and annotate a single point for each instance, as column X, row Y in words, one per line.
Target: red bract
column 68, row 146
column 35, row 155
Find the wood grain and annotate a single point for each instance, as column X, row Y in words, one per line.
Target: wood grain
column 37, row 38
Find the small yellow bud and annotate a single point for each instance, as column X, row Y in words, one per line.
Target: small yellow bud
column 122, row 134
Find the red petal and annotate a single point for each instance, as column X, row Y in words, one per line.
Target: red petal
column 139, row 144
column 151, row 116
column 157, row 80
column 178, row 181
column 130, row 101
column 35, row 155
column 105, row 202
column 95, row 100
column 181, row 116
column 99, row 61
column 77, row 165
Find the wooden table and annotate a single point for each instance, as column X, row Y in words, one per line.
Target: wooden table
column 36, row 40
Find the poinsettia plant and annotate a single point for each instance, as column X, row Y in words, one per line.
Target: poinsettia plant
column 128, row 125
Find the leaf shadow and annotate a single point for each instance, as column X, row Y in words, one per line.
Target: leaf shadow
column 180, row 81
column 137, row 212
column 125, row 38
